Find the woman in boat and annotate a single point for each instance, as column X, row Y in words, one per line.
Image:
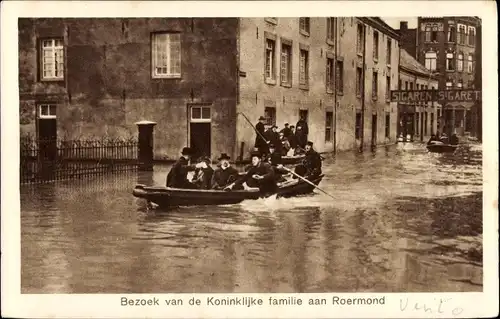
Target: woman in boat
column 224, row 174
column 177, row 177
column 260, row 175
column 203, row 174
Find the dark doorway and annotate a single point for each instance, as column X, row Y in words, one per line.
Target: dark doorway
column 374, row 129
column 47, row 140
column 200, row 139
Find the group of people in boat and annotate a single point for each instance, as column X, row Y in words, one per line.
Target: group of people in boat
column 291, row 140
column 443, row 139
column 264, row 172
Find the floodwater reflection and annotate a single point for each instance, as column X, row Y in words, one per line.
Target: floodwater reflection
column 402, row 220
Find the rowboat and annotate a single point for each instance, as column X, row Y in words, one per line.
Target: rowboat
column 173, row 197
column 441, row 148
column 292, row 160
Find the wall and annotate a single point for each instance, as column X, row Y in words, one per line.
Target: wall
column 108, row 84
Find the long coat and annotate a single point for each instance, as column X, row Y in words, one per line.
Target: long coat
column 259, row 141
column 303, row 124
column 267, row 184
column 224, row 177
column 177, row 177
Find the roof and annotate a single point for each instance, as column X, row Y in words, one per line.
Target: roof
column 408, row 63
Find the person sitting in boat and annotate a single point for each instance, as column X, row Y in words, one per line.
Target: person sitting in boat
column 224, row 174
column 276, row 161
column 311, row 165
column 285, row 146
column 454, row 139
column 203, row 174
column 286, row 131
column 260, row 175
column 433, row 140
column 301, row 139
column 177, row 176
column 444, row 138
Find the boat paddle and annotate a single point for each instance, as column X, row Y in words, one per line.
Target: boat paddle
column 307, row 181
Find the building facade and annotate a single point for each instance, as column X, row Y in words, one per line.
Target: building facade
column 448, row 46
column 197, row 77
column 417, row 120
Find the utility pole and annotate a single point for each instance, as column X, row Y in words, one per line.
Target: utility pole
column 363, row 78
column 335, row 35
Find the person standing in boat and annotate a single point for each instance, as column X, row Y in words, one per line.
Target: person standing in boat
column 311, row 165
column 286, row 131
column 177, row 177
column 224, row 174
column 274, row 138
column 260, row 175
column 260, row 141
column 304, row 127
column 292, row 139
column 301, row 140
column 203, row 174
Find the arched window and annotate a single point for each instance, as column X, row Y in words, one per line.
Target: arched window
column 460, row 62
column 431, row 60
column 450, row 66
column 470, row 67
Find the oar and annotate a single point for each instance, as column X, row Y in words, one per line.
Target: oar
column 308, row 182
column 255, row 129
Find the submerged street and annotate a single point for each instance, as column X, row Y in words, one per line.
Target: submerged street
column 403, row 220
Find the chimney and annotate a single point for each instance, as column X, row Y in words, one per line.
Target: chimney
column 403, row 26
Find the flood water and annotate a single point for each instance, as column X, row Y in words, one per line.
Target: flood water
column 403, row 220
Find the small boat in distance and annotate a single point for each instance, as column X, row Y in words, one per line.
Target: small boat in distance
column 441, row 148
column 172, row 197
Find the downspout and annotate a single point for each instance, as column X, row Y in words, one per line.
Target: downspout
column 362, row 137
column 335, row 90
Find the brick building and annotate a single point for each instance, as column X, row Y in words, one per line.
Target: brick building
column 416, row 119
column 87, row 77
column 448, row 46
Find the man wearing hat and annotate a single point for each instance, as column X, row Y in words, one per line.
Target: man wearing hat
column 275, row 159
column 311, row 165
column 224, row 174
column 260, row 141
column 286, row 131
column 177, row 177
column 274, row 138
column 203, row 174
column 260, row 174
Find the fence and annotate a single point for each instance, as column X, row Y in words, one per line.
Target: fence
column 49, row 160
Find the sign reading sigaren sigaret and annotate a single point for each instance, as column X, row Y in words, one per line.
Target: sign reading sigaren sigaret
column 435, row 95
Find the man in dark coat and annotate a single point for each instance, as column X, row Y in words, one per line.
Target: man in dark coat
column 275, row 159
column 260, row 174
column 311, row 165
column 303, row 124
column 225, row 174
column 177, row 177
column 301, row 137
column 260, row 141
column 274, row 138
column 292, row 138
column 286, row 131
column 203, row 174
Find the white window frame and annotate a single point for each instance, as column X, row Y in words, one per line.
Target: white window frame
column 462, row 35
column 460, row 62
column 359, row 38
column 303, row 67
column 451, row 37
column 201, row 119
column 286, row 64
column 449, row 62
column 168, row 55
column 305, row 25
column 432, row 66
column 473, row 34
column 330, row 29
column 50, row 107
column 54, row 49
column 270, row 60
column 470, row 64
column 376, row 42
column 388, row 51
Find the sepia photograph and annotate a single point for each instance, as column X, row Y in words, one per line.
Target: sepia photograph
column 270, row 155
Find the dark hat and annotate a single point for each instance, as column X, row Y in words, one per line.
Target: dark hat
column 274, row 126
column 187, row 151
column 262, row 118
column 255, row 153
column 224, row 156
column 206, row 159
column 286, row 124
column 309, row 143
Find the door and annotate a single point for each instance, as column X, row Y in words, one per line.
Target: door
column 47, row 131
column 200, row 131
column 374, row 129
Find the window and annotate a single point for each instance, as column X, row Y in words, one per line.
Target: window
column 270, row 115
column 200, row 114
column 359, row 78
column 375, row 45
column 460, row 62
column 449, row 84
column 329, row 75
column 304, row 67
column 389, row 51
column 360, row 39
column 470, row 66
column 358, row 128
column 286, row 65
column 450, row 65
column 270, row 58
column 432, row 122
column 387, row 88
column 431, row 60
column 451, row 33
column 328, row 126
column 406, row 85
column 460, row 84
column 375, row 85
column 52, row 59
column 428, row 30
column 431, row 31
column 387, row 124
column 425, row 123
column 339, row 75
column 166, row 55
column 411, row 86
column 47, row 111
column 330, row 29
column 462, row 34
column 434, row 33
column 472, row 36
column 304, row 25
